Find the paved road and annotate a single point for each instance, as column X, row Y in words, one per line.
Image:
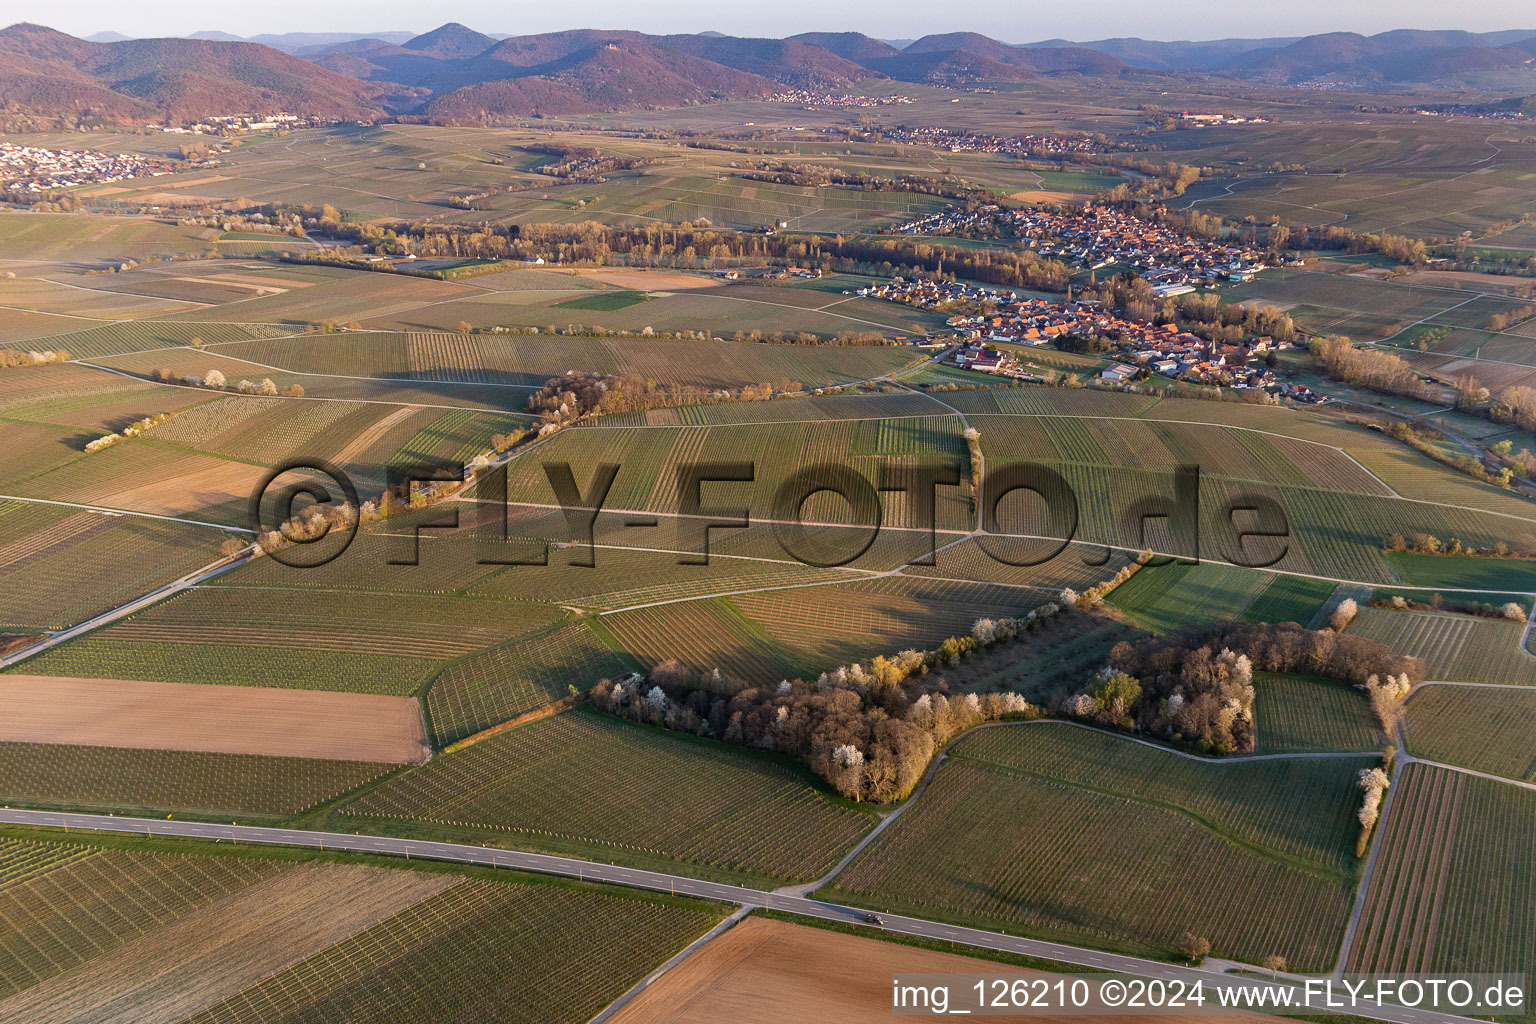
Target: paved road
column 613, row 874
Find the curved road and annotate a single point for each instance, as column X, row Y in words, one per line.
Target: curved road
column 613, row 874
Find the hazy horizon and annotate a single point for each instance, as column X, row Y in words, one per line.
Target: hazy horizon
column 896, row 20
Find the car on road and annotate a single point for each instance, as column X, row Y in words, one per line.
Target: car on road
column 874, row 919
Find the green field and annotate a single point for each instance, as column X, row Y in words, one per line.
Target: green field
column 1163, row 598
column 585, row 784
column 482, row 950
column 604, row 301
column 1453, row 888
column 118, row 779
column 1288, row 599
column 98, row 929
column 64, row 565
column 1511, row 575
column 499, row 683
column 1296, row 714
column 1065, row 833
column 1454, row 647
column 1482, row 728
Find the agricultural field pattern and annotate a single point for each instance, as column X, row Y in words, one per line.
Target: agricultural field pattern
column 606, row 526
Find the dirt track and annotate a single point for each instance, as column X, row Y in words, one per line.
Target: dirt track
column 217, row 719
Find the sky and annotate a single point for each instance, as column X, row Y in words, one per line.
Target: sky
column 886, row 19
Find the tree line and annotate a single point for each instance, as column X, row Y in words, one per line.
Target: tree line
column 697, row 245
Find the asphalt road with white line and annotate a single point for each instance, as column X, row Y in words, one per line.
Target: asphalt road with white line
column 658, row 881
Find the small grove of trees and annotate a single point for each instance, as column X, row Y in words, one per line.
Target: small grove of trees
column 1196, row 683
column 215, row 380
column 1202, row 314
column 1516, row 405
column 1521, row 546
column 1502, row 321
column 32, row 357
column 1343, row 614
column 564, row 400
column 1332, row 236
column 1368, row 368
column 1513, row 611
column 1374, row 782
column 313, row 523
column 973, row 447
column 1202, row 697
column 868, row 730
column 1469, row 393
column 699, row 244
column 133, row 429
column 1387, row 695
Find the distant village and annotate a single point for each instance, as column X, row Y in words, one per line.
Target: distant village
column 1095, row 238
column 1012, row 145
column 33, row 169
column 811, row 100
column 1100, row 236
column 1138, row 348
column 243, row 124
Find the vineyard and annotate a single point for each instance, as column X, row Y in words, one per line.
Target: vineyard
column 1416, row 476
column 499, row 683
column 1001, row 850
column 705, row 635
column 39, row 387
column 849, row 622
column 59, row 566
column 624, row 577
column 87, row 902
column 487, row 951
column 585, row 783
column 1295, row 713
column 1454, row 881
column 1300, row 809
column 1075, row 566
column 416, row 626
column 1464, row 648
column 1484, row 729
column 57, row 236
column 373, row 565
column 337, row 295
column 456, row 437
column 146, row 657
column 226, row 946
column 650, row 459
column 532, row 360
column 148, row 335
column 102, row 778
